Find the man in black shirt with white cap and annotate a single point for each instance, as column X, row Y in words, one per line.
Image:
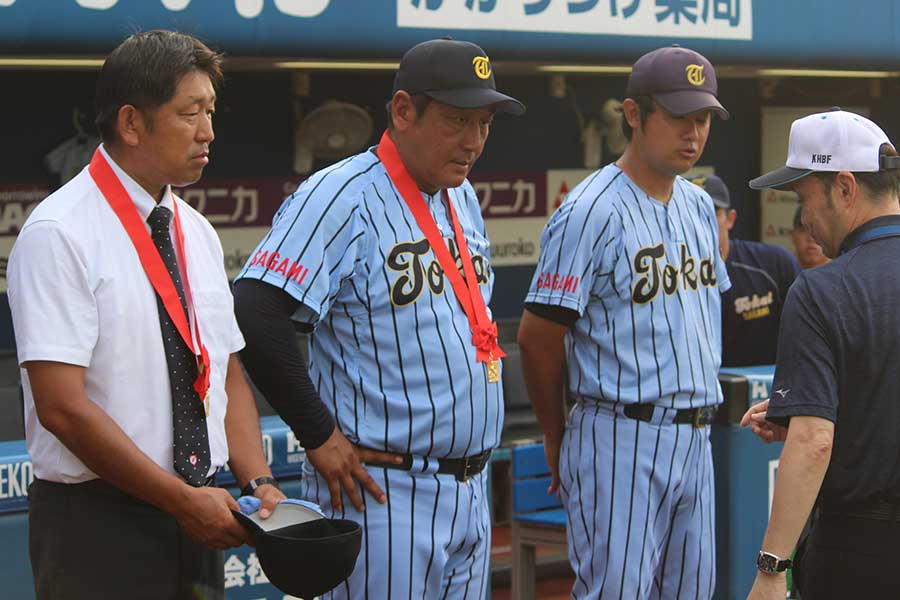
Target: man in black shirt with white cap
column 835, row 399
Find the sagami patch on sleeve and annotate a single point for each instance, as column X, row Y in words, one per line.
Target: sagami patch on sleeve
column 291, row 269
column 556, row 282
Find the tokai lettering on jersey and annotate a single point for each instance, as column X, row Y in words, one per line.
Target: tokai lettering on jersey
column 655, row 274
column 754, row 307
column 406, row 258
column 291, row 269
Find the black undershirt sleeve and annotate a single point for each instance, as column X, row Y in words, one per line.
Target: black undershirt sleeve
column 274, row 362
column 557, row 314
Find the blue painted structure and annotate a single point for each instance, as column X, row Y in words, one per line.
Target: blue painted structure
column 864, row 32
column 745, row 469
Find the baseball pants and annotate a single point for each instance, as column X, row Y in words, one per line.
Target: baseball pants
column 432, row 539
column 640, row 505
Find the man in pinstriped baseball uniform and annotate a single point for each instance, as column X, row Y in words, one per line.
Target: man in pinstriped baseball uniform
column 625, row 301
column 384, row 257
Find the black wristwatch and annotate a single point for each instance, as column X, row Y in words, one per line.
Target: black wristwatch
column 251, row 486
column 771, row 564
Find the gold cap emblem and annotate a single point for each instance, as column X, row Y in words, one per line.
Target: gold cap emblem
column 695, row 74
column 482, row 67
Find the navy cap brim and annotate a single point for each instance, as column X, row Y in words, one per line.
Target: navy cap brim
column 685, row 102
column 478, row 97
column 779, row 178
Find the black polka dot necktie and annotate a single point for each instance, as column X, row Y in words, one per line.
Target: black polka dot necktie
column 191, row 441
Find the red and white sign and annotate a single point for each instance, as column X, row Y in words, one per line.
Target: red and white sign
column 241, row 210
column 515, row 210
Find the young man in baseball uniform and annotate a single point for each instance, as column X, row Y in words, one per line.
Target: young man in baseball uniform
column 625, row 301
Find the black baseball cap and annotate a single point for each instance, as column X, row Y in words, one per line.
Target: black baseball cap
column 681, row 80
column 453, row 72
column 716, row 189
column 301, row 552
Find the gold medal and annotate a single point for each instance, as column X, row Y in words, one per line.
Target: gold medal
column 206, row 403
column 493, row 371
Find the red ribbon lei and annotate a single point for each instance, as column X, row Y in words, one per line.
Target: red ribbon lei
column 484, row 331
column 120, row 202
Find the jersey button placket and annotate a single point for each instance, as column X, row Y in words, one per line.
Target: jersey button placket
column 671, row 220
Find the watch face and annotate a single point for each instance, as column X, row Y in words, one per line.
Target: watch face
column 767, row 563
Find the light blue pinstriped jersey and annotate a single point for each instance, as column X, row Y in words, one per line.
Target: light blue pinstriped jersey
column 645, row 277
column 391, row 354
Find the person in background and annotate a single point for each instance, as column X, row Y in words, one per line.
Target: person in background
column 760, row 276
column 809, row 253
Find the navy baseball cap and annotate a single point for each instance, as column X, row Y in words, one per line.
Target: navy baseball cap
column 681, row 80
column 716, row 189
column 453, row 72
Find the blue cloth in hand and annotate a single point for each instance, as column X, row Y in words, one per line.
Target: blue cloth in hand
column 250, row 504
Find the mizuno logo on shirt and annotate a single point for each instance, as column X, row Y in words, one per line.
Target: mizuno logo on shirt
column 783, row 392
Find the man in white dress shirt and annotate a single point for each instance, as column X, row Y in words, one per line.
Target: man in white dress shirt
column 125, row 331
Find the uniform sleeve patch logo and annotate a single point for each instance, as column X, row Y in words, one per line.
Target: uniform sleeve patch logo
column 482, row 66
column 695, row 74
column 290, row 269
column 557, row 282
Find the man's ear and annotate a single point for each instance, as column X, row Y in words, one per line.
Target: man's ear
column 632, row 113
column 845, row 189
column 130, row 125
column 732, row 217
column 403, row 111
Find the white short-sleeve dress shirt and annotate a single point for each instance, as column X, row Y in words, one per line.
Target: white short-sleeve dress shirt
column 79, row 295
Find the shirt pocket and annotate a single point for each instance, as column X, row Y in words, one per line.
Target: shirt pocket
column 218, row 329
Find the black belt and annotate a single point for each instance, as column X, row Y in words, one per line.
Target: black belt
column 461, row 468
column 698, row 417
column 875, row 511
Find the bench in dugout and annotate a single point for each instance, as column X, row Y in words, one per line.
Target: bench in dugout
column 538, row 517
